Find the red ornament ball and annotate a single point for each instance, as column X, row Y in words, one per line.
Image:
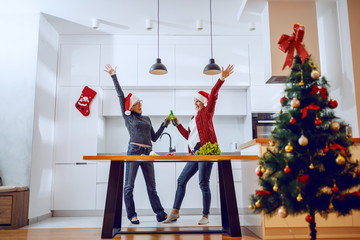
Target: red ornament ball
column 287, row 170
column 309, row 218
column 326, row 149
column 334, row 189
column 292, row 120
column 333, row 103
column 318, row 122
column 282, row 100
column 358, row 172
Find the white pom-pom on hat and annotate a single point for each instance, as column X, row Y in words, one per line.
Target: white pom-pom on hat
column 130, row 100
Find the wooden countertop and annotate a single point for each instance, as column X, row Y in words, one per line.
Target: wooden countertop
column 267, row 140
column 171, row 158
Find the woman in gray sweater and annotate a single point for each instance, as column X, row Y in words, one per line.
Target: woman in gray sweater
column 141, row 134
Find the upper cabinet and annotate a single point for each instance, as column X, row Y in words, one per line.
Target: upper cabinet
column 191, row 60
column 124, row 58
column 79, row 65
column 147, row 57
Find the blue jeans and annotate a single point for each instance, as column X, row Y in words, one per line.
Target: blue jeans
column 149, row 176
column 189, row 170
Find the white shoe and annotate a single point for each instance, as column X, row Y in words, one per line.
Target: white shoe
column 203, row 221
column 171, row 218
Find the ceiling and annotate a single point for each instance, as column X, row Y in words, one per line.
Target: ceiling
column 177, row 17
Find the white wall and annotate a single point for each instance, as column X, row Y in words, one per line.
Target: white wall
column 18, row 59
column 43, row 132
column 336, row 59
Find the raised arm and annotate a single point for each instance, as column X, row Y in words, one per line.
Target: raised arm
column 120, row 93
column 215, row 90
column 156, row 135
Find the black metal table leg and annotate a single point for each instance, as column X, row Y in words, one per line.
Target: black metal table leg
column 229, row 211
column 113, row 205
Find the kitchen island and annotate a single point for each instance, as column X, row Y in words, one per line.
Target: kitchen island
column 275, row 227
column 113, row 206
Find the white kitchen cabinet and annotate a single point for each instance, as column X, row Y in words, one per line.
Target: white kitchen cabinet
column 75, row 134
column 124, row 57
column 230, row 102
column 75, row 186
column 190, row 63
column 79, row 65
column 236, row 54
column 147, row 55
column 155, row 102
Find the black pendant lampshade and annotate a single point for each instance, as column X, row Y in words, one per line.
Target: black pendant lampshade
column 212, row 68
column 158, row 68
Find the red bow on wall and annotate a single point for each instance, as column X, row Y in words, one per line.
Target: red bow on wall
column 342, row 197
column 289, row 43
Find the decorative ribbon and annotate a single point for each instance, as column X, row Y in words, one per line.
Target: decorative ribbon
column 289, row 43
column 262, row 192
column 303, row 179
column 342, row 197
column 337, row 146
column 305, row 110
column 322, row 91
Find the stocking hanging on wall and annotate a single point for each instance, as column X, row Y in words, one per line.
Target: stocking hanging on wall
column 84, row 101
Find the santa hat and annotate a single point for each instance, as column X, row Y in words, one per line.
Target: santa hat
column 130, row 100
column 202, row 96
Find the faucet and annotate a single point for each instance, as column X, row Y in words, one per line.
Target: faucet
column 170, row 148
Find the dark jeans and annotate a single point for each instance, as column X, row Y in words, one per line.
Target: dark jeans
column 189, row 170
column 149, row 176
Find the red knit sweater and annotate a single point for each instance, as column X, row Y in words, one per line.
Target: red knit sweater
column 204, row 118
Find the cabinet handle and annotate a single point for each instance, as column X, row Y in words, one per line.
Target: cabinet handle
column 81, row 163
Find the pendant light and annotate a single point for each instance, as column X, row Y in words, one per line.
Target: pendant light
column 158, row 68
column 212, row 68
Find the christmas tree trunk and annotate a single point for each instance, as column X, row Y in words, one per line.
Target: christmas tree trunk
column 308, row 168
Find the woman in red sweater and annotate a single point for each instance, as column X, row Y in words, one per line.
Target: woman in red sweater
column 200, row 131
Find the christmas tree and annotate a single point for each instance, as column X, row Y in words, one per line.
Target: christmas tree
column 308, row 166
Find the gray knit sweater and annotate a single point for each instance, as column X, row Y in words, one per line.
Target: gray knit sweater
column 138, row 126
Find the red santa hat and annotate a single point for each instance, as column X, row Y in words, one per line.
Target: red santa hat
column 202, row 96
column 130, row 101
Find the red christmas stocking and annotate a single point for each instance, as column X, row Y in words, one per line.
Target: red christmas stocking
column 84, row 101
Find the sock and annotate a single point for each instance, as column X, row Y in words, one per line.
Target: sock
column 84, row 101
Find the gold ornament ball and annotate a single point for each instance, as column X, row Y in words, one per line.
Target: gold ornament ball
column 331, row 206
column 251, row 207
column 340, row 160
column 275, row 188
column 301, row 83
column 315, row 74
column 335, row 126
column 257, row 204
column 272, row 143
column 299, row 198
column 295, row 103
column 303, row 141
column 283, row 212
column 262, row 169
column 289, row 148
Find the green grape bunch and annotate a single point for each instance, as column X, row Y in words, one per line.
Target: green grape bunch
column 209, row 149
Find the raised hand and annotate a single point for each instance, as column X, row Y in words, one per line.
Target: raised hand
column 225, row 73
column 109, row 69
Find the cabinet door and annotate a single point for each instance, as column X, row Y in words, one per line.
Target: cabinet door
column 124, row 57
column 230, row 102
column 147, row 57
column 75, row 187
column 236, row 54
column 155, row 102
column 79, row 65
column 190, row 63
column 75, row 134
